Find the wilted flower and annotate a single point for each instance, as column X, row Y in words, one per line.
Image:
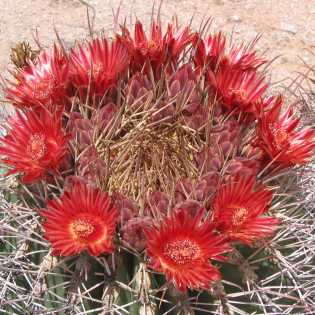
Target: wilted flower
column 182, row 247
column 183, row 190
column 243, row 166
column 192, row 207
column 82, row 219
column 35, row 145
column 90, row 165
column 22, row 53
column 238, row 210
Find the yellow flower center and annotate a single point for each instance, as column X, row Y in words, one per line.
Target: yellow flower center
column 43, row 89
column 182, row 251
column 240, row 95
column 152, row 44
column 239, row 216
column 97, row 69
column 148, row 47
column 36, row 147
column 280, row 138
column 82, row 228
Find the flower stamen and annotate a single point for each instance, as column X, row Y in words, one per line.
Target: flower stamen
column 43, row 89
column 240, row 95
column 36, row 147
column 82, row 229
column 182, row 251
column 239, row 216
column 280, row 138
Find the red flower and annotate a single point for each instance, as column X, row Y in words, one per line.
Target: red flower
column 157, row 49
column 209, row 51
column 182, row 247
column 279, row 139
column 238, row 208
column 242, row 58
column 96, row 68
column 35, row 145
column 82, row 219
column 239, row 90
column 178, row 40
column 44, row 84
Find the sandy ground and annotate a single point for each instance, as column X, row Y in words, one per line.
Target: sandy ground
column 287, row 26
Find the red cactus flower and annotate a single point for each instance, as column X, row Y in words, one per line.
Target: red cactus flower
column 238, row 208
column 182, row 247
column 239, row 90
column 242, row 57
column 157, row 49
column 178, row 40
column 278, row 137
column 209, row 51
column 45, row 83
column 96, row 68
column 35, row 145
column 82, row 219
column 143, row 49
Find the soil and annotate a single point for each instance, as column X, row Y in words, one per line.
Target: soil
column 287, row 26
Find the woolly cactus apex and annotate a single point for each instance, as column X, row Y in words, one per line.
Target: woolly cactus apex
column 154, row 176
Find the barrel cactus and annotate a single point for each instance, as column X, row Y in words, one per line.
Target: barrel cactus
column 153, row 172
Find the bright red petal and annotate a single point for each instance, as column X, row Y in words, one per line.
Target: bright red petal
column 35, row 145
column 95, row 68
column 238, row 208
column 43, row 84
column 278, row 137
column 82, row 219
column 182, row 247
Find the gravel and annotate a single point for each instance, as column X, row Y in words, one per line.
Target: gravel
column 287, row 26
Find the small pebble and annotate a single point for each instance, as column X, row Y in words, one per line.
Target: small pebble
column 288, row 27
column 235, row 19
